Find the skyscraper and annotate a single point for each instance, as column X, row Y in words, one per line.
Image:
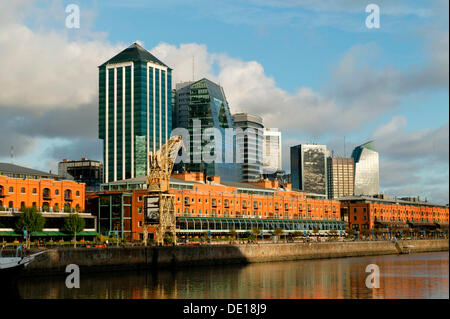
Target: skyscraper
column 135, row 111
column 340, row 177
column 250, row 140
column 309, row 168
column 367, row 180
column 208, row 108
column 181, row 105
column 271, row 151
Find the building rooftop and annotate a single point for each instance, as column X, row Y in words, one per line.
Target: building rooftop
column 13, row 170
column 387, row 201
column 134, row 53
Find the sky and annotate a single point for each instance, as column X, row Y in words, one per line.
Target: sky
column 312, row 69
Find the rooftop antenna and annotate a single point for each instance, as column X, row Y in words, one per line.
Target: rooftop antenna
column 12, row 154
column 345, row 154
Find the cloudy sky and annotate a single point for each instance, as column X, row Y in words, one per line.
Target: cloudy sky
column 310, row 68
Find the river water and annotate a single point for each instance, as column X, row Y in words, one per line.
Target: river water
column 424, row 275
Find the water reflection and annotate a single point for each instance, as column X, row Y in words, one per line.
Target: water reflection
column 402, row 276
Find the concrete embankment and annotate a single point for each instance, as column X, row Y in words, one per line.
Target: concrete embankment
column 121, row 258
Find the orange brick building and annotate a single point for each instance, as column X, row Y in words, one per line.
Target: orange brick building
column 211, row 205
column 367, row 213
column 44, row 194
column 23, row 187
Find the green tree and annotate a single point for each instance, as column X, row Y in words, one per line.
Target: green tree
column 73, row 225
column 31, row 221
column 277, row 232
column 256, row 231
column 233, row 233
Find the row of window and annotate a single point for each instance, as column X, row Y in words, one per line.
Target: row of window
column 46, row 191
column 245, row 203
column 45, row 206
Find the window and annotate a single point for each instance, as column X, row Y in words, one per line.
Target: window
column 22, row 190
column 56, row 191
column 354, row 217
column 34, row 191
column 77, row 193
column 139, row 198
column 11, row 189
column 139, row 210
column 140, row 223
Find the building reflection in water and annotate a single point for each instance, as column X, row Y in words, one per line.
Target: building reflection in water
column 401, row 276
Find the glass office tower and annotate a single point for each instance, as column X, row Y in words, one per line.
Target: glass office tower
column 367, row 180
column 250, row 141
column 135, row 111
column 309, row 168
column 208, row 108
column 271, row 151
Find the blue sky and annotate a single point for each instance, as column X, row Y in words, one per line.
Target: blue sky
column 312, row 69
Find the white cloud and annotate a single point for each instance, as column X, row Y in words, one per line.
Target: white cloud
column 44, row 70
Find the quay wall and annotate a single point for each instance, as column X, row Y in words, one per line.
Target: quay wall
column 122, row 258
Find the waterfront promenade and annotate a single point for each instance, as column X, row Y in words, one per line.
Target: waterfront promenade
column 124, row 258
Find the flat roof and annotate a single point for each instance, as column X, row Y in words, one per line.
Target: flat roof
column 388, row 200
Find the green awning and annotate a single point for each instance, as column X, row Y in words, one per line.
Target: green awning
column 47, row 234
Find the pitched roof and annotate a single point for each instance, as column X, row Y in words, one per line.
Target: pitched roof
column 6, row 168
column 134, row 53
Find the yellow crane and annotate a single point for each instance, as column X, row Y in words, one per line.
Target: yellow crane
column 159, row 204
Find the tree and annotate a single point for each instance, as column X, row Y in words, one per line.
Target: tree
column 233, row 233
column 256, row 231
column 278, row 232
column 74, row 224
column 31, row 221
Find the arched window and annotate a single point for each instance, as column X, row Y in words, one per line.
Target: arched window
column 10, row 204
column 77, row 193
column 46, row 194
column 68, row 194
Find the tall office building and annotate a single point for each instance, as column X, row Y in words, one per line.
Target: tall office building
column 135, row 111
column 250, row 141
column 208, row 108
column 271, row 151
column 367, row 180
column 340, row 177
column 309, row 168
column 181, row 105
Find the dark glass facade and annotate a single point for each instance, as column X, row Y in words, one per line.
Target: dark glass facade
column 135, row 111
column 367, row 181
column 309, row 168
column 250, row 141
column 208, row 108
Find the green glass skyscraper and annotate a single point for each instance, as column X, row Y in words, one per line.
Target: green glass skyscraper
column 207, row 109
column 135, row 111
